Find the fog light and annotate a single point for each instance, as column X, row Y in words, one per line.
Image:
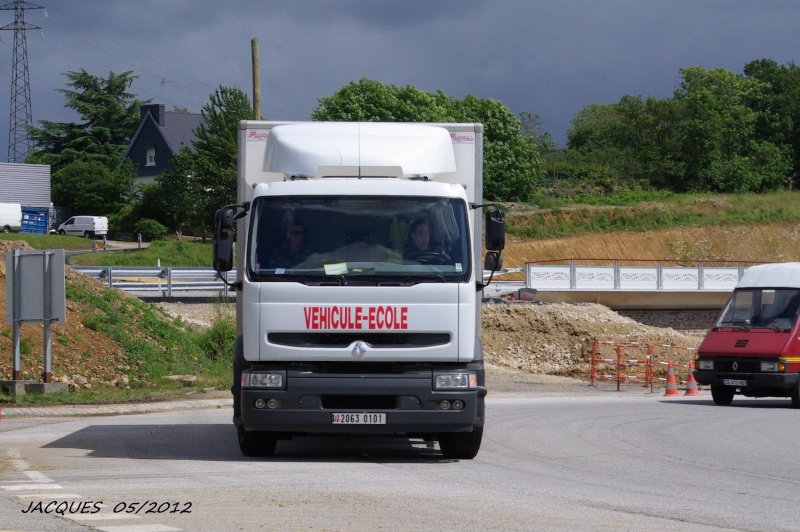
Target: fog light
column 444, row 405
column 458, row 404
column 259, row 403
column 273, row 403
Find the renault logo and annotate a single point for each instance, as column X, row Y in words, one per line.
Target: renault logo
column 735, row 366
column 359, row 350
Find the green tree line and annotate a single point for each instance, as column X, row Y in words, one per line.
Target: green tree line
column 718, row 132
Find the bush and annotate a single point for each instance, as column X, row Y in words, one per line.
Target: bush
column 150, row 229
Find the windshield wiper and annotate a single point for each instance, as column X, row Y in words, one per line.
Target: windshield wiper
column 731, row 326
column 311, row 280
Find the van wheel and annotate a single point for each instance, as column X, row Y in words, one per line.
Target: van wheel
column 722, row 395
column 86, row 234
column 795, row 395
column 461, row 445
column 62, row 232
column 256, row 443
column 6, row 229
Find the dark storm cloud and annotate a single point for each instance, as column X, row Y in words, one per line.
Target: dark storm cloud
column 546, row 57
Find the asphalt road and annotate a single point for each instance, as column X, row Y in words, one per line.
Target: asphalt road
column 597, row 462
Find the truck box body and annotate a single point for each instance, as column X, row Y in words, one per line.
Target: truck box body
column 753, row 349
column 360, row 333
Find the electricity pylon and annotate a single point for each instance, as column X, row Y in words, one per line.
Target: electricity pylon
column 21, row 117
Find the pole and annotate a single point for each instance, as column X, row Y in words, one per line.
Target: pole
column 47, row 375
column 16, row 371
column 256, row 81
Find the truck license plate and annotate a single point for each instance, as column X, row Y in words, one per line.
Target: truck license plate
column 734, row 382
column 359, row 419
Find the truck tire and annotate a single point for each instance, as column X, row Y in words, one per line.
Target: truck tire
column 722, row 395
column 795, row 395
column 6, row 229
column 256, row 443
column 461, row 445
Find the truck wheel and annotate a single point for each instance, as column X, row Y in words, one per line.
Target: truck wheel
column 722, row 395
column 796, row 395
column 6, row 229
column 461, row 445
column 256, row 443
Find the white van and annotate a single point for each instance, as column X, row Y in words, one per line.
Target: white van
column 86, row 226
column 11, row 217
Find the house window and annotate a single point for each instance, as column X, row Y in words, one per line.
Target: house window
column 151, row 157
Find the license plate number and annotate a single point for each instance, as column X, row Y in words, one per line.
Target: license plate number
column 734, row 382
column 359, row 419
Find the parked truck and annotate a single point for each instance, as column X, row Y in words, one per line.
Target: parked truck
column 357, row 250
column 753, row 349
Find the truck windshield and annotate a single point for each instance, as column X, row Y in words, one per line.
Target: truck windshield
column 359, row 238
column 772, row 308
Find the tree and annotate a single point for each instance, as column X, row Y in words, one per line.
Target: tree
column 719, row 146
column 109, row 117
column 89, row 187
column 512, row 163
column 204, row 178
column 778, row 107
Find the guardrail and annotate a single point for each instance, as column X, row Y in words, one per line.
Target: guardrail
column 551, row 275
column 634, row 274
column 165, row 280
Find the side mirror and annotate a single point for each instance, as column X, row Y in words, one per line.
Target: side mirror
column 495, row 230
column 223, row 218
column 223, row 250
column 493, row 261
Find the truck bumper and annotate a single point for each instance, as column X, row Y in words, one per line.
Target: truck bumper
column 410, row 406
column 755, row 381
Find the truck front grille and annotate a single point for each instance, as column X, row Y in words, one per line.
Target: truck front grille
column 374, row 340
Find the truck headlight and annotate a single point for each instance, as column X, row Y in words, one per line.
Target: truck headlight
column 707, row 365
column 455, row 381
column 272, row 379
column 771, row 367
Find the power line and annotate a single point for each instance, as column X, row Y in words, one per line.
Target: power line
column 21, row 115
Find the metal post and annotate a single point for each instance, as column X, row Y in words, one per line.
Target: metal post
column 110, row 282
column 16, row 372
column 573, row 274
column 700, row 275
column 47, row 312
column 659, row 275
column 169, row 282
column 617, row 280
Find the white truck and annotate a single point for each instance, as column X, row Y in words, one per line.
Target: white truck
column 350, row 318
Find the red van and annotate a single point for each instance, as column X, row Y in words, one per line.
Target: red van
column 753, row 349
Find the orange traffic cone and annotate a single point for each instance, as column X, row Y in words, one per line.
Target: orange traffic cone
column 672, row 385
column 691, row 384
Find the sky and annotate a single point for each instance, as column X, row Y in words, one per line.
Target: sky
column 550, row 58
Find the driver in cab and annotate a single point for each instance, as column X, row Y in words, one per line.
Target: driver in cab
column 421, row 245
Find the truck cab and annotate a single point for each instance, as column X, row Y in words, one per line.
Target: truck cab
column 358, row 258
column 753, row 348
